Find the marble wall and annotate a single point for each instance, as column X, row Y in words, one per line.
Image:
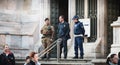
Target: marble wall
column 20, row 23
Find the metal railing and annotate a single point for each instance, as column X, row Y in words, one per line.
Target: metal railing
column 50, row 47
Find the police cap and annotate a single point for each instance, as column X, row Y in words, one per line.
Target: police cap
column 75, row 17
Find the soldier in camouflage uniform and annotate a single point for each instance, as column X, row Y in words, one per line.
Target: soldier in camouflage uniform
column 47, row 38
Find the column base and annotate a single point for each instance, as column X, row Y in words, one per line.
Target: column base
column 115, row 49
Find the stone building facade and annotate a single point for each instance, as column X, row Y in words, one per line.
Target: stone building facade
column 21, row 21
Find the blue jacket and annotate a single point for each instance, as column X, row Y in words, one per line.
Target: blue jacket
column 63, row 30
column 79, row 28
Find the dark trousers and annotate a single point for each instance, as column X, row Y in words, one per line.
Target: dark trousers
column 78, row 44
column 63, row 45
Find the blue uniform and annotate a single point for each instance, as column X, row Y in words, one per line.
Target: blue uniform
column 63, row 33
column 79, row 30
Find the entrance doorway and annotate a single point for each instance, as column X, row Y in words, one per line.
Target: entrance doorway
column 63, row 8
column 57, row 8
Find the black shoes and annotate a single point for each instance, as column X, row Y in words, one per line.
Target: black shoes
column 65, row 57
column 46, row 57
column 81, row 57
column 76, row 57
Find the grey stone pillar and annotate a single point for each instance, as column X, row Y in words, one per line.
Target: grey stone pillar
column 102, row 26
column 115, row 47
column 85, row 8
column 72, row 12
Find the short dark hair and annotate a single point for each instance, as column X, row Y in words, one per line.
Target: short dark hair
column 112, row 56
column 62, row 16
column 108, row 60
column 28, row 57
column 46, row 19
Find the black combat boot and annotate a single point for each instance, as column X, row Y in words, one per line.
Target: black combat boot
column 48, row 56
column 75, row 57
column 81, row 57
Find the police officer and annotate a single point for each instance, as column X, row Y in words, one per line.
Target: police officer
column 48, row 32
column 78, row 34
column 63, row 33
column 7, row 57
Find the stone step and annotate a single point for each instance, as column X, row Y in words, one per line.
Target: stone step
column 60, row 63
column 53, row 61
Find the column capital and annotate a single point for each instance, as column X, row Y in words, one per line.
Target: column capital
column 116, row 23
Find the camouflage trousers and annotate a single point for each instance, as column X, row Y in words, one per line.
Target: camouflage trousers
column 46, row 41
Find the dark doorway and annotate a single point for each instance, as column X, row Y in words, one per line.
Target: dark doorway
column 63, row 8
column 57, row 8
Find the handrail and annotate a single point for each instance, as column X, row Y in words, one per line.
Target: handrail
column 46, row 48
column 57, row 42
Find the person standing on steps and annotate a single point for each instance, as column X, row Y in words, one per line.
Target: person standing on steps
column 79, row 32
column 47, row 38
column 63, row 33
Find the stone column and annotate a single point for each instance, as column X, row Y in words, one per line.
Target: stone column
column 85, row 8
column 72, row 12
column 102, row 26
column 85, row 16
column 115, row 47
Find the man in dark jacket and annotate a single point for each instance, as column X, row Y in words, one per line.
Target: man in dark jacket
column 63, row 33
column 7, row 57
column 78, row 34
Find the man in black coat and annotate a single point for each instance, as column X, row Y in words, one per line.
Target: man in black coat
column 7, row 57
column 63, row 33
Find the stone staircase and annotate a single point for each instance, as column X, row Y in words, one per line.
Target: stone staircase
column 53, row 61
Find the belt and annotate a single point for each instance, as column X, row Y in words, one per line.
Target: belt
column 80, row 35
column 47, row 34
